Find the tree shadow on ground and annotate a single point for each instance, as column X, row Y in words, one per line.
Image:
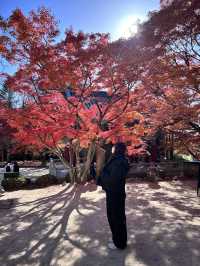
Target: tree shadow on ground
column 70, row 228
column 7, row 203
column 32, row 236
column 164, row 224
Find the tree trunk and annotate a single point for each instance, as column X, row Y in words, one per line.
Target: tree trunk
column 77, row 172
column 8, row 154
column 100, row 159
column 90, row 156
column 2, row 154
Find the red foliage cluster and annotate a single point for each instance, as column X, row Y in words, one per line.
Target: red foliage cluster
column 88, row 64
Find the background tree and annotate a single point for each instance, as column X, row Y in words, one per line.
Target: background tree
column 170, row 40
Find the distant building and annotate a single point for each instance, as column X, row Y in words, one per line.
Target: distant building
column 165, row 3
column 100, row 97
column 160, row 146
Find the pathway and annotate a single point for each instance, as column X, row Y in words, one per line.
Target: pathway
column 67, row 226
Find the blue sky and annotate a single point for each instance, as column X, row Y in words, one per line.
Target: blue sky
column 87, row 15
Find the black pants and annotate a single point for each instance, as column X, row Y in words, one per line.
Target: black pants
column 115, row 203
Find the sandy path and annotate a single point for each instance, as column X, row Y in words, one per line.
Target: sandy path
column 65, row 226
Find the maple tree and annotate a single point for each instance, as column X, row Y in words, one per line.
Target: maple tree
column 170, row 42
column 59, row 82
column 85, row 89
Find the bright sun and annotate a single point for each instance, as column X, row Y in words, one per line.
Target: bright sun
column 127, row 27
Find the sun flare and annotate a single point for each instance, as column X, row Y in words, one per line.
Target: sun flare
column 128, row 26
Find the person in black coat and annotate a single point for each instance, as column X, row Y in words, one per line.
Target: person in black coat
column 112, row 181
column 16, row 167
column 8, row 168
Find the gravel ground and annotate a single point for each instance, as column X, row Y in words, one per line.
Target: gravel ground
column 67, row 225
column 33, row 172
column 30, row 171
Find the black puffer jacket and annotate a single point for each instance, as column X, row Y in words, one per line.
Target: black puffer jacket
column 114, row 174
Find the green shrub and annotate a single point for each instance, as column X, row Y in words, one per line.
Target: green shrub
column 44, row 181
column 14, row 183
column 21, row 182
column 11, row 174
